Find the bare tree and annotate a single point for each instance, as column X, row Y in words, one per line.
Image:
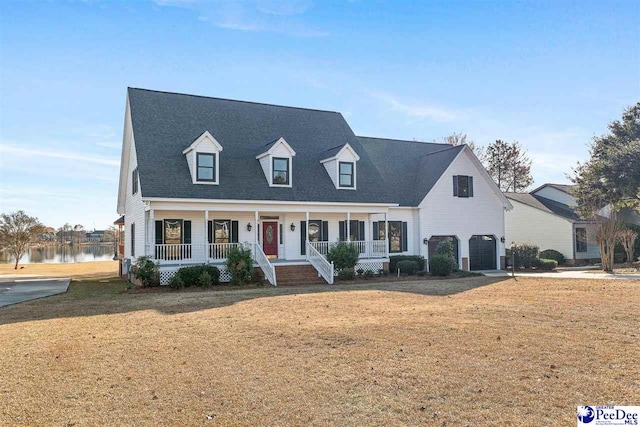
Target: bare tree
column 17, row 230
column 508, row 165
column 78, row 233
column 628, row 239
column 456, row 139
column 607, row 235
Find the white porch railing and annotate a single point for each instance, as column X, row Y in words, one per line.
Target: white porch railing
column 320, row 263
column 220, row 251
column 267, row 268
column 180, row 253
column 366, row 248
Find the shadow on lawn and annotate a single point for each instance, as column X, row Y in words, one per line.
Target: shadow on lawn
column 91, row 298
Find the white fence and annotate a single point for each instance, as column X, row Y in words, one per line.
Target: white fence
column 366, row 248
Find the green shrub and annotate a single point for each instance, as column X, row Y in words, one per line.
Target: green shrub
column 360, row 271
column 547, row 264
column 146, row 271
column 191, row 275
column 344, row 256
column 395, row 259
column 526, row 255
column 345, row 275
column 368, row 274
column 445, row 248
column 176, row 282
column 422, row 273
column 552, row 254
column 239, row 265
column 408, row 266
column 441, row 265
column 205, row 280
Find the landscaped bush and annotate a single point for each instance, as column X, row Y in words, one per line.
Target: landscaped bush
column 547, row 264
column 191, row 275
column 205, row 280
column 526, row 255
column 146, row 271
column 176, row 282
column 240, row 265
column 344, row 256
column 368, row 274
column 409, row 267
column 422, row 273
column 446, row 248
column 395, row 259
column 552, row 254
column 345, row 274
column 441, row 265
column 360, row 271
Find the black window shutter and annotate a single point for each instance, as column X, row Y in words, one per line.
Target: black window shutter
column 210, row 231
column 376, row 231
column 405, row 237
column 234, row 231
column 303, row 237
column 470, row 183
column 158, row 232
column 343, row 230
column 133, row 239
column 455, row 185
column 324, row 237
column 361, row 230
column 187, row 232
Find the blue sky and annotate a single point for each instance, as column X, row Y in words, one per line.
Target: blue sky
column 550, row 74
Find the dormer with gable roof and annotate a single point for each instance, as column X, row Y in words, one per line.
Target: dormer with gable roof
column 341, row 166
column 277, row 163
column 203, row 158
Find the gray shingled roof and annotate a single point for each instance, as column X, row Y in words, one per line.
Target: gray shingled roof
column 544, row 204
column 164, row 123
column 566, row 188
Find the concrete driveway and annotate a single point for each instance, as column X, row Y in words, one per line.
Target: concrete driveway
column 14, row 291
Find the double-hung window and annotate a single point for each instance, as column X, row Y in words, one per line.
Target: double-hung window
column 346, row 174
column 205, row 167
column 280, row 174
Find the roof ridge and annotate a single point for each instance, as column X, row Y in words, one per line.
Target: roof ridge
column 402, row 140
column 444, row 149
column 234, row 100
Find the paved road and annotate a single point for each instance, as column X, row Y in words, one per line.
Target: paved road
column 14, row 291
column 575, row 274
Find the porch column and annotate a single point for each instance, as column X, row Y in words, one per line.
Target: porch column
column 307, row 236
column 386, row 234
column 257, row 233
column 151, row 234
column 348, row 236
column 206, row 235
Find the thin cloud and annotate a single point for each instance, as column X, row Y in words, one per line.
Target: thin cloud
column 31, row 152
column 417, row 110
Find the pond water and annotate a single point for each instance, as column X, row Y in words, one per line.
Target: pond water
column 63, row 254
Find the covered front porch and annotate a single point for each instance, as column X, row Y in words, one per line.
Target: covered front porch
column 179, row 237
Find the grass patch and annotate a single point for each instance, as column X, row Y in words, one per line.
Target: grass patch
column 477, row 351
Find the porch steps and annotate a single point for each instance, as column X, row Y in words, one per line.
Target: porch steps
column 291, row 275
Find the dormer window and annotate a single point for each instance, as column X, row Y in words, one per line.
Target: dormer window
column 280, row 171
column 206, row 167
column 345, row 171
column 203, row 159
column 276, row 163
column 341, row 166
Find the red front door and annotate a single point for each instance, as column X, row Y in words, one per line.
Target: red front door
column 270, row 238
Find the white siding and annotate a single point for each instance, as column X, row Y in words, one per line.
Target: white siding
column 332, row 169
column 134, row 207
column 527, row 224
column 443, row 214
column 557, row 195
column 593, row 249
column 265, row 162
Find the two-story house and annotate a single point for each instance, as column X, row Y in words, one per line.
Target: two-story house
column 202, row 175
column 548, row 218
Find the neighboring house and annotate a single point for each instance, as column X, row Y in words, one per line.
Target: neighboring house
column 202, row 175
column 94, row 236
column 547, row 217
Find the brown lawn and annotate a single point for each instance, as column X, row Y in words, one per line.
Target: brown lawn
column 78, row 270
column 474, row 351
